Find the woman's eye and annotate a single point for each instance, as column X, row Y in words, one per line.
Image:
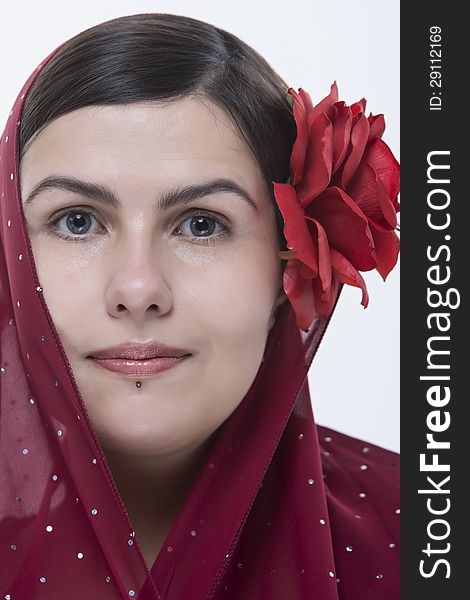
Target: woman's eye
column 77, row 222
column 202, row 226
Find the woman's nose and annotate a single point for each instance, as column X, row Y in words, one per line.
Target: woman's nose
column 137, row 284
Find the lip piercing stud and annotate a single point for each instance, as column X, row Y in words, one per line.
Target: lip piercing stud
column 138, row 384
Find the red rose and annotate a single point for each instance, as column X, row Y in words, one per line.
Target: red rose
column 339, row 205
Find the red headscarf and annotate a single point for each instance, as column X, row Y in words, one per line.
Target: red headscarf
column 281, row 509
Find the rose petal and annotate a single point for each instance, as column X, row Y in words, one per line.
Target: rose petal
column 323, row 253
column 324, row 106
column 300, row 294
column 346, row 273
column 346, row 226
column 375, row 226
column 307, row 100
column 306, row 272
column 318, row 161
column 359, row 135
column 359, row 107
column 379, row 156
column 387, row 247
column 324, row 307
column 299, row 148
column 342, row 124
column 296, row 230
column 368, row 191
column 377, row 127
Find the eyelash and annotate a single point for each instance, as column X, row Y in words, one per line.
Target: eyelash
column 205, row 241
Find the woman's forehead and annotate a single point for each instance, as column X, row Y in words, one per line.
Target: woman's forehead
column 188, row 128
column 170, row 142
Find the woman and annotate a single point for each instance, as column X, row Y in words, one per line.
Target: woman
column 166, row 281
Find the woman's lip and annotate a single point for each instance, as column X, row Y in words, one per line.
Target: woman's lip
column 139, row 368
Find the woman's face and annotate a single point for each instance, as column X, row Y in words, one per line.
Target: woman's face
column 202, row 275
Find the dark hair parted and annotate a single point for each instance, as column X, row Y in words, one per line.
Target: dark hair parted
column 164, row 57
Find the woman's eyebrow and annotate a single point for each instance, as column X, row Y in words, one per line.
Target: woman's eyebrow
column 172, row 197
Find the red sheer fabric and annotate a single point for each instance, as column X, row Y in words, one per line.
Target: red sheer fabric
column 282, row 509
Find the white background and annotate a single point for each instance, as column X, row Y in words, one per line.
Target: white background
column 354, row 379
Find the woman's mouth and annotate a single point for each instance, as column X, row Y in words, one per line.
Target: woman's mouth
column 139, row 368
